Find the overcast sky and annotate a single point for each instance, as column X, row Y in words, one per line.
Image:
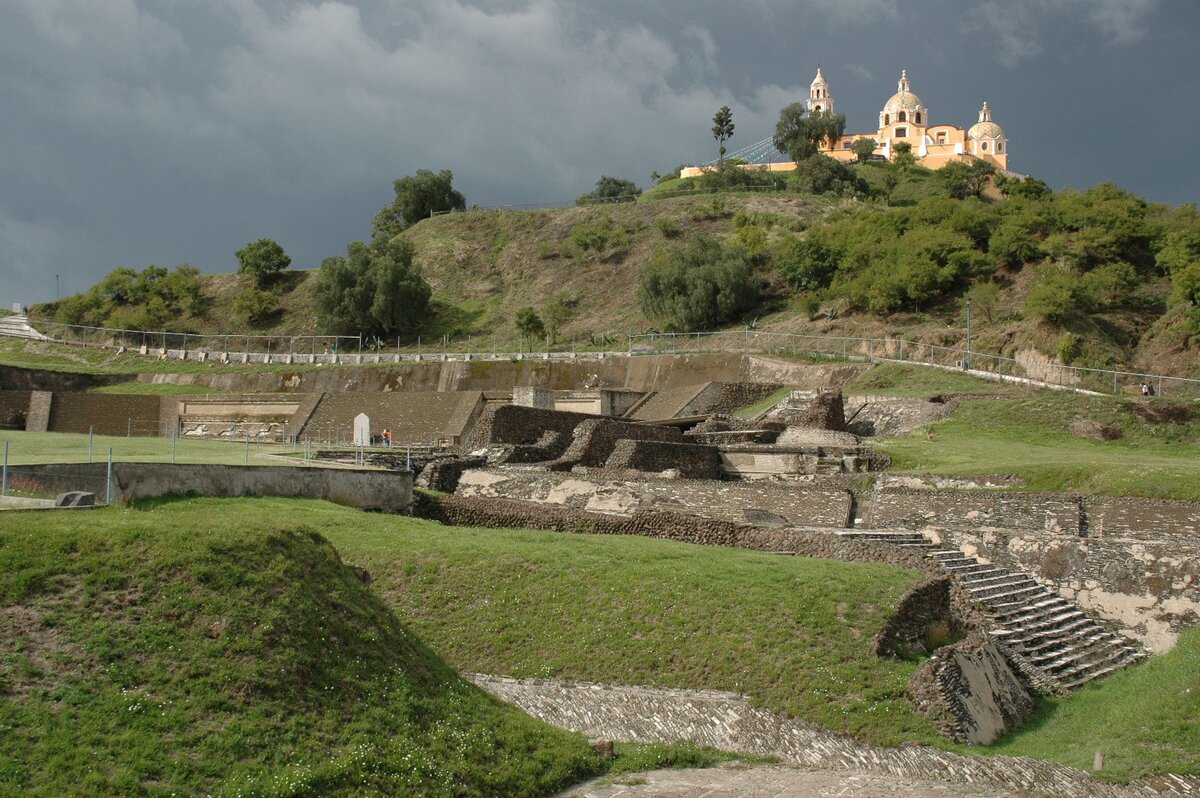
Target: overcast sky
column 167, row 131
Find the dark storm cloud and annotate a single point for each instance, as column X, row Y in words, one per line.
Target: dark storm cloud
column 162, row 132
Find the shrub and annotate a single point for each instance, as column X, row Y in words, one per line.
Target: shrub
column 1054, row 294
column 821, row 174
column 261, row 260
column 255, row 305
column 666, row 226
column 805, row 263
column 1069, row 347
column 699, row 285
column 375, row 290
column 599, row 237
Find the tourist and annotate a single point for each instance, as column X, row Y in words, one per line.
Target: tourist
column 387, row 439
column 1145, row 389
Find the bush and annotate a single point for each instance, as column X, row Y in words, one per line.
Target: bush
column 1070, row 346
column 611, row 189
column 699, row 285
column 1054, row 295
column 821, row 174
column 667, row 227
column 805, row 263
column 375, row 290
column 600, row 237
column 255, row 305
column 261, row 260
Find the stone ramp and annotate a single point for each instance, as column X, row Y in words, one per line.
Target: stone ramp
column 412, row 417
column 17, row 326
column 1052, row 633
column 727, row 721
column 662, row 405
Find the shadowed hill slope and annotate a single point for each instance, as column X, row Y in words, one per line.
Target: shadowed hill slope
column 152, row 651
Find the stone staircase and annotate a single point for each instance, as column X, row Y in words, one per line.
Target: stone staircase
column 1052, row 633
column 17, row 326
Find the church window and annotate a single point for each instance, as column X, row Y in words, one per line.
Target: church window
column 902, row 118
column 901, row 132
column 817, row 107
column 918, row 120
column 887, row 119
column 984, row 146
column 999, row 146
column 941, row 137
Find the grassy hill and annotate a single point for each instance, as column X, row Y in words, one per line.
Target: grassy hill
column 1100, row 249
column 190, row 649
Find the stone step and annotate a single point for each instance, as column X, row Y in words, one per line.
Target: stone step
column 1034, row 610
column 1031, row 639
column 1006, row 596
column 1006, row 578
column 977, row 569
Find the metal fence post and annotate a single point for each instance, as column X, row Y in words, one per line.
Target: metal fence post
column 108, row 479
column 174, row 441
column 4, row 478
column 90, row 444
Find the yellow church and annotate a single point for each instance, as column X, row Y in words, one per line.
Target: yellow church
column 905, row 118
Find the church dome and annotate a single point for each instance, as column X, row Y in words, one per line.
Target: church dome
column 985, row 128
column 903, row 102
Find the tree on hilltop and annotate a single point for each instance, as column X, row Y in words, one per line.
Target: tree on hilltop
column 418, row 197
column 863, row 149
column 903, row 156
column 800, row 134
column 722, row 130
column 611, row 189
column 261, row 260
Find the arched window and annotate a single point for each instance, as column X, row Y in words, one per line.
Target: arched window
column 983, row 146
column 902, row 118
column 999, row 146
column 887, row 119
column 918, row 117
column 817, row 107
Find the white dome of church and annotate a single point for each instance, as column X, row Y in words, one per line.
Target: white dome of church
column 903, row 102
column 985, row 128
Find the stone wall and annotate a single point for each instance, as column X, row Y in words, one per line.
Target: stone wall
column 13, row 405
column 412, row 417
column 729, row 722
column 733, row 396
column 443, row 475
column 16, row 378
column 595, row 439
column 389, row 491
column 971, row 692
column 782, row 503
column 1133, row 562
column 106, row 414
column 513, row 424
column 687, row 460
column 459, row 510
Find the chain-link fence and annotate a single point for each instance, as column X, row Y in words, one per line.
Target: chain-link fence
column 1034, row 371
column 316, row 350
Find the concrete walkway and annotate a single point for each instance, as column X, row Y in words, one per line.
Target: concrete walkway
column 770, row 781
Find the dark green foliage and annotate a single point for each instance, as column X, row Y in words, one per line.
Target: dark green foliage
column 699, row 285
column 417, row 197
column 255, row 305
column 530, row 324
column 1029, row 187
column 863, row 149
column 730, row 176
column 966, row 180
column 153, row 299
column 376, row 290
column 610, row 189
column 1055, row 294
column 902, row 156
column 800, row 134
column 600, row 236
column 807, row 264
column 820, row 174
column 261, row 260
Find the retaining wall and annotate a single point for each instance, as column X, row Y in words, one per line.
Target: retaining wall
column 595, row 439
column 781, row 503
column 389, row 491
column 687, row 460
column 1133, row 562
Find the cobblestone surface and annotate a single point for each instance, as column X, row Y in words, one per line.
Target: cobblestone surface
column 770, row 781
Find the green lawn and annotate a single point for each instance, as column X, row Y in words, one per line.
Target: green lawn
column 896, row 379
column 26, row 448
column 155, row 389
column 223, row 648
column 751, row 410
column 1030, row 437
column 791, row 633
column 1146, row 720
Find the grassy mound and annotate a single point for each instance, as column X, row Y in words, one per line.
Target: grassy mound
column 1146, row 720
column 192, row 648
column 1031, row 437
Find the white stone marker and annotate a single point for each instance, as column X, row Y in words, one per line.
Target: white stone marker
column 362, row 430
